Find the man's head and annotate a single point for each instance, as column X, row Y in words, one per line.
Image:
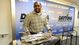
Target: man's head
column 37, row 7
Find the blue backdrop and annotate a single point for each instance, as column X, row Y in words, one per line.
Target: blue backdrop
column 61, row 17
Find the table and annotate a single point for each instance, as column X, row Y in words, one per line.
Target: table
column 38, row 39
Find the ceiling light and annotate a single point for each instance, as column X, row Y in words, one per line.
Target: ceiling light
column 24, row 0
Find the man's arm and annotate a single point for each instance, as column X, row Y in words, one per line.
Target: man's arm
column 46, row 24
column 26, row 25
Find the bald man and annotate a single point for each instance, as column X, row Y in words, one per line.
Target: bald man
column 36, row 21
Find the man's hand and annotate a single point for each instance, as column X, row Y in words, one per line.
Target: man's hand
column 50, row 32
column 26, row 33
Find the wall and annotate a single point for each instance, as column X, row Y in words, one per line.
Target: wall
column 5, row 22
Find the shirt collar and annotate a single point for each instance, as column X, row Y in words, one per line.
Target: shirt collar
column 37, row 13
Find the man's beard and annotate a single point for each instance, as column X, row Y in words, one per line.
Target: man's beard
column 37, row 10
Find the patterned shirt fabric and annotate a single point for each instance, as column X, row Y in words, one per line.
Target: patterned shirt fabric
column 35, row 22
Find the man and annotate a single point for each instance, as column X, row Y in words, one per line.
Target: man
column 36, row 21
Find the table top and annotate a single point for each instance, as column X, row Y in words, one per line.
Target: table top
column 41, row 40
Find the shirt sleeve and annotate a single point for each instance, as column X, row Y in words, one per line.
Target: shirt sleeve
column 46, row 22
column 26, row 23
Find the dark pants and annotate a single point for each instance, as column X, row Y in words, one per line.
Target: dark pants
column 33, row 33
